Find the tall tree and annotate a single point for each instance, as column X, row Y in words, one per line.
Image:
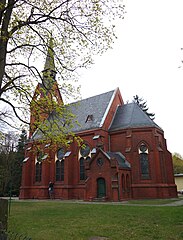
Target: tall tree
column 79, row 29
column 11, row 158
column 143, row 105
column 16, row 167
column 7, row 158
column 177, row 163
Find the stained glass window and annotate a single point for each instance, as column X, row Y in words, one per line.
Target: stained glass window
column 38, row 172
column 85, row 150
column 144, row 161
column 82, row 169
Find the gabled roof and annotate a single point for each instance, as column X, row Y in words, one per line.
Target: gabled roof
column 131, row 116
column 122, row 162
column 91, row 112
column 118, row 156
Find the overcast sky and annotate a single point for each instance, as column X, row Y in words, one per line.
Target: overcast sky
column 146, row 60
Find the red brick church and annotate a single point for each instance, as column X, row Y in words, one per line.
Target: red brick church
column 124, row 155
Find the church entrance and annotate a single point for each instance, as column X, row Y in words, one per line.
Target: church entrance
column 101, row 188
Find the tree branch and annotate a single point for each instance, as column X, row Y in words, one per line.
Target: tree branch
column 14, row 110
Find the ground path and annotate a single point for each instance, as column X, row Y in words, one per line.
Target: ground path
column 174, row 202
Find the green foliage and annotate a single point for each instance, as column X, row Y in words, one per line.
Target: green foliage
column 53, row 121
column 79, row 30
column 177, row 163
column 53, row 220
column 11, row 167
column 143, row 105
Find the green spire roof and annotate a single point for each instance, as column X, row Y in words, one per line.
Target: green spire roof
column 50, row 64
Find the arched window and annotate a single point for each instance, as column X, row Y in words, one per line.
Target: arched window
column 123, row 183
column 82, row 168
column 60, row 153
column 60, row 170
column 60, row 165
column 127, row 183
column 144, row 161
column 38, row 171
column 85, row 150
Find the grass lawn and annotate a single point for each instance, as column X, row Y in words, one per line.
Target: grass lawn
column 56, row 220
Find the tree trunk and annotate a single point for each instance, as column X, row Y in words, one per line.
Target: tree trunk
column 4, row 37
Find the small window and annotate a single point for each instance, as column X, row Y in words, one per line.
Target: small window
column 100, row 162
column 89, row 118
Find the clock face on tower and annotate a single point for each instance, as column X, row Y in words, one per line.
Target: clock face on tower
column 100, row 162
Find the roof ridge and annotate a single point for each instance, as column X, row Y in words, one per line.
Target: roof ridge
column 94, row 96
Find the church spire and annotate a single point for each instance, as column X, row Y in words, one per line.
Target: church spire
column 50, row 63
column 49, row 71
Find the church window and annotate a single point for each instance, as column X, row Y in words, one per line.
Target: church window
column 60, row 170
column 82, row 168
column 84, row 155
column 123, row 183
column 127, row 183
column 144, row 161
column 100, row 162
column 60, row 153
column 60, row 165
column 85, row 150
column 38, row 172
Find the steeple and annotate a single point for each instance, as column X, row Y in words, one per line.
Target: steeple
column 49, row 71
column 50, row 64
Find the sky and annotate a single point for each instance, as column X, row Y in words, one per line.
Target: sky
column 146, row 60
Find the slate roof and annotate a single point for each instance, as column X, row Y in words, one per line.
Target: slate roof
column 127, row 116
column 96, row 106
column 131, row 116
column 122, row 162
